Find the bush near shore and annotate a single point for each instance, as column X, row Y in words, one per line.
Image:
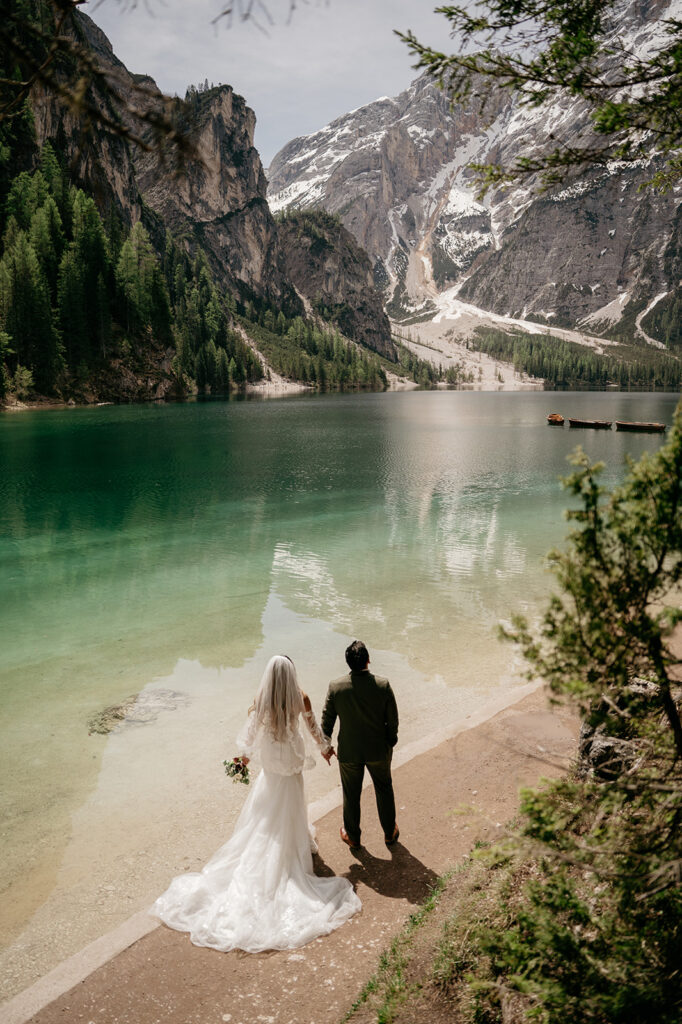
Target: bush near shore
column 577, row 915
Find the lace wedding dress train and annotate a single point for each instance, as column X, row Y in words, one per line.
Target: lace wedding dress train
column 259, row 891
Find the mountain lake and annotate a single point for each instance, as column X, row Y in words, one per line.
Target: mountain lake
column 154, row 557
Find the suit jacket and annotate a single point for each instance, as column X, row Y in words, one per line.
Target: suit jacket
column 368, row 717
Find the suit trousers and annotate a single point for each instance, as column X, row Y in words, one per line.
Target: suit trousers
column 352, row 775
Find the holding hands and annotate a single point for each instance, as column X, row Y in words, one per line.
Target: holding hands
column 315, row 730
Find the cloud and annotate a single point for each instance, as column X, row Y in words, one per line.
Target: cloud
column 330, row 57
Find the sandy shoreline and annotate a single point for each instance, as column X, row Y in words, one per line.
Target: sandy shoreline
column 137, row 817
column 532, row 739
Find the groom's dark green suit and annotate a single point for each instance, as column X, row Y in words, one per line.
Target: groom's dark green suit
column 368, row 731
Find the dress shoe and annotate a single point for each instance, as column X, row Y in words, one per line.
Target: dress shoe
column 392, row 840
column 345, row 838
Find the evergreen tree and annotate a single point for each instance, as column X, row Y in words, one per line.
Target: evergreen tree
column 142, row 291
column 223, row 372
column 211, row 364
column 71, row 309
column 57, row 183
column 91, row 254
column 11, row 233
column 4, row 353
column 47, row 239
column 27, row 194
column 237, row 372
column 27, row 315
column 203, row 370
column 193, row 323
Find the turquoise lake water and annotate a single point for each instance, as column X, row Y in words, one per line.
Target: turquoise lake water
column 177, row 547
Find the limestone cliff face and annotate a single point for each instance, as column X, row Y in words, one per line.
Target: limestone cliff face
column 220, row 198
column 392, row 171
column 99, row 161
column 590, row 254
column 330, row 269
column 573, row 252
column 218, row 202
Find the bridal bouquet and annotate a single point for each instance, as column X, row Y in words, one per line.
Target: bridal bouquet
column 237, row 770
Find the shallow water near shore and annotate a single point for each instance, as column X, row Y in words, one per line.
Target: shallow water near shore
column 168, row 551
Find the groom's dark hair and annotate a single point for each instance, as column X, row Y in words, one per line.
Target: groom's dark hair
column 357, row 656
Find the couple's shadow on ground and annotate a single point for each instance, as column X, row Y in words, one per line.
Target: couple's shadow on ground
column 400, row 876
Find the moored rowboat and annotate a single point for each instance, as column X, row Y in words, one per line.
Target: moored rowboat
column 555, row 419
column 594, row 424
column 646, row 428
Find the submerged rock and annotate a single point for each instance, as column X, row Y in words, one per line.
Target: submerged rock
column 138, row 709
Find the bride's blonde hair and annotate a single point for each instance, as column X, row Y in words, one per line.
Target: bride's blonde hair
column 279, row 700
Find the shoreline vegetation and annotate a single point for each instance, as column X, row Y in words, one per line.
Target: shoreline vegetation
column 279, row 389
column 575, row 913
column 264, row 388
column 93, row 312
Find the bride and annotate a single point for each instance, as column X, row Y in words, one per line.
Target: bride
column 259, row 891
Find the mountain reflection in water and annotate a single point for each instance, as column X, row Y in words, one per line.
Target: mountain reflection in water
column 181, row 546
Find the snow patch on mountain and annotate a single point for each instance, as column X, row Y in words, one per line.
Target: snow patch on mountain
column 299, row 194
column 397, row 173
column 452, row 309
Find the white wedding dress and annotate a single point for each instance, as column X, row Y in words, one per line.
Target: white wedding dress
column 259, row 891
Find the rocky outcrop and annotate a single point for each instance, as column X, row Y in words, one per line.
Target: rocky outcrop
column 573, row 252
column 607, row 747
column 99, row 161
column 589, row 254
column 217, row 200
column 220, row 198
column 329, row 268
column 603, row 756
column 395, row 172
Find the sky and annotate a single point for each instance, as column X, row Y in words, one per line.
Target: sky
column 329, row 57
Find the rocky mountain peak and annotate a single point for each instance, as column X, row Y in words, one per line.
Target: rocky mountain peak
column 219, row 199
column 397, row 173
column 228, row 174
column 217, row 203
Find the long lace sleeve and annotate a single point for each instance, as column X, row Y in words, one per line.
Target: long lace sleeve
column 248, row 734
column 323, row 742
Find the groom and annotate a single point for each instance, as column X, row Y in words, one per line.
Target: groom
column 368, row 731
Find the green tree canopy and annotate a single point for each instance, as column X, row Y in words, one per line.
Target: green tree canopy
column 141, row 284
column 26, row 314
column 597, row 934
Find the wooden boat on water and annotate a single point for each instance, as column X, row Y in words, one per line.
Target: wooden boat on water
column 555, row 419
column 592, row 424
column 643, row 428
